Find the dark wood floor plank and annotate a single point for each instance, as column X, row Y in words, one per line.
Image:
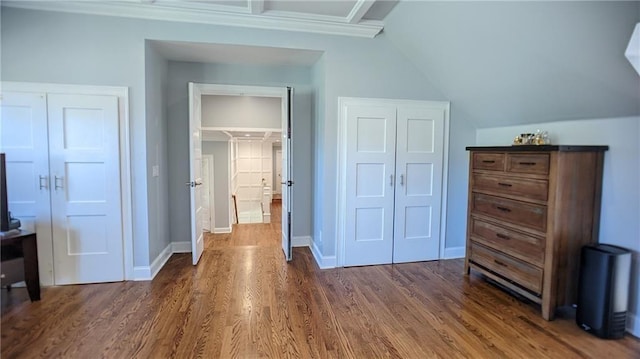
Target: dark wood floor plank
column 244, row 301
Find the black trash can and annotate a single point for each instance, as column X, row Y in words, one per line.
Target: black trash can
column 603, row 290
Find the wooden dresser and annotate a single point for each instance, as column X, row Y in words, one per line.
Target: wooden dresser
column 531, row 209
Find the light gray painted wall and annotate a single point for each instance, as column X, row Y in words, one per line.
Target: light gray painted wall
column 241, row 111
column 180, row 73
column 220, row 152
column 620, row 183
column 157, row 187
column 523, row 62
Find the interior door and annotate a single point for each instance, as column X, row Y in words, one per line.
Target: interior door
column 195, row 172
column 85, row 188
column 287, row 181
column 278, row 161
column 24, row 139
column 418, row 195
column 371, row 148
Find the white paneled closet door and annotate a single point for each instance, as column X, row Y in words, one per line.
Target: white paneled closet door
column 371, row 152
column 393, row 180
column 24, row 139
column 85, row 188
column 418, row 195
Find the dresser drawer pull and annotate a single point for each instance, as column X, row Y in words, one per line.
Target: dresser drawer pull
column 499, row 263
column 505, row 184
column 503, row 209
column 502, row 236
column 528, row 163
column 488, row 161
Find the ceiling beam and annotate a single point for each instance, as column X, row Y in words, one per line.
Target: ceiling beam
column 164, row 10
column 256, row 7
column 359, row 9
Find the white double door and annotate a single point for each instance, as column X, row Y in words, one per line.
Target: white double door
column 63, row 179
column 394, row 167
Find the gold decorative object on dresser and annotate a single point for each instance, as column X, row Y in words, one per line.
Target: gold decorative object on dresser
column 531, row 209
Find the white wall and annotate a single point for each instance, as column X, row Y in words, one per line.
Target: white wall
column 621, row 180
column 241, row 111
column 220, row 152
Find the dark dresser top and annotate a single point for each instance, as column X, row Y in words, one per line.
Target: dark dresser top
column 539, row 148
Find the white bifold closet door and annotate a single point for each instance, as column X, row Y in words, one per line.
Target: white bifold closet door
column 394, row 165
column 64, row 182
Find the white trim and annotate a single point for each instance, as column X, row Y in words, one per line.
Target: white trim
column 453, row 252
column 342, row 162
column 241, row 129
column 301, row 241
column 324, row 262
column 359, row 9
column 633, row 324
column 268, row 20
column 149, row 272
column 146, row 273
column 125, row 153
column 181, row 247
column 222, row 230
column 256, row 7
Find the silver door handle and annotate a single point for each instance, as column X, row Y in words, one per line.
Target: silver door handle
column 55, row 182
column 391, row 180
column 193, row 184
column 44, row 182
column 288, row 183
column 402, row 180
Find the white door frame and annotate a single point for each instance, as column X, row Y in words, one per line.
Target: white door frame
column 239, row 90
column 341, row 211
column 46, row 278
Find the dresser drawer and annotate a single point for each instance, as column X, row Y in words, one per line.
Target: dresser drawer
column 525, row 214
column 521, row 273
column 516, row 244
column 535, row 163
column 526, row 188
column 488, row 161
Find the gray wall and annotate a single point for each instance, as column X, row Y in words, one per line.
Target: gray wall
column 241, row 111
column 180, row 73
column 220, row 152
column 156, row 70
column 513, row 62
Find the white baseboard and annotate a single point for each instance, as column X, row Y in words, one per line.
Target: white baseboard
column 149, row 272
column 301, row 241
column 142, row 273
column 454, row 252
column 222, row 230
column 324, row 262
column 633, row 324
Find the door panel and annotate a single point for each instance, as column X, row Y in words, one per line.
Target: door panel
column 24, row 139
column 419, row 164
column 85, row 188
column 371, row 135
column 195, row 173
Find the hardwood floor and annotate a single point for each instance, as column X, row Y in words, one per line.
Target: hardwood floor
column 244, row 301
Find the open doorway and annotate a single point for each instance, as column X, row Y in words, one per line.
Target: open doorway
column 250, row 176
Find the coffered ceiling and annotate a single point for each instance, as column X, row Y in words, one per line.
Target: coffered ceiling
column 337, row 17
